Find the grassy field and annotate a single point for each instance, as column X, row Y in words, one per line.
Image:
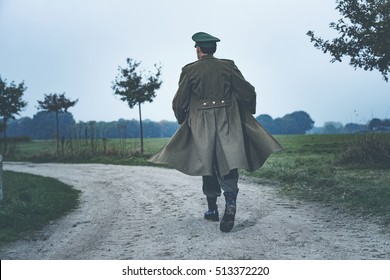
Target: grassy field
column 317, row 168
column 111, row 151
column 338, row 170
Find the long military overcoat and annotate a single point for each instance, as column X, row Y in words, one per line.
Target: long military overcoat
column 214, row 105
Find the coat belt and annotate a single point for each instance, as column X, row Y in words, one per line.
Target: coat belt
column 213, row 103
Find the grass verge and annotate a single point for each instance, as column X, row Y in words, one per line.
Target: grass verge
column 31, row 202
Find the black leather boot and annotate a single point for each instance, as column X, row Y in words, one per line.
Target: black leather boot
column 227, row 222
column 212, row 214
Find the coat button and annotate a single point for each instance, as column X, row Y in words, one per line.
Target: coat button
column 204, row 104
column 213, row 102
column 223, row 101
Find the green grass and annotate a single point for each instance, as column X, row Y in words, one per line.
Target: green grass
column 312, row 168
column 324, row 168
column 111, row 151
column 30, row 202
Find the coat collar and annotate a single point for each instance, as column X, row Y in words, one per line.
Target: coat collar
column 207, row 56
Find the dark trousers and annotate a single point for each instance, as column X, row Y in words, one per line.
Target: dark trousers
column 212, row 185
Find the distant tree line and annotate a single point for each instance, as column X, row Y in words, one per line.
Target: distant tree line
column 298, row 122
column 374, row 125
column 43, row 126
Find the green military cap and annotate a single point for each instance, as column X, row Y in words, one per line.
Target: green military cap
column 203, row 39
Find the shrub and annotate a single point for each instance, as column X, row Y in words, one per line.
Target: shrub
column 371, row 149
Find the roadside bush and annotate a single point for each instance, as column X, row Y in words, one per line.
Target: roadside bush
column 371, row 149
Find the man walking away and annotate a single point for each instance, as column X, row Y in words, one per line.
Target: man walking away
column 218, row 134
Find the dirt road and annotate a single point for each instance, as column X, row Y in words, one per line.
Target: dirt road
column 152, row 213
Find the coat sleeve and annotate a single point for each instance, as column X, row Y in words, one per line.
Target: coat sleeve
column 244, row 91
column 181, row 100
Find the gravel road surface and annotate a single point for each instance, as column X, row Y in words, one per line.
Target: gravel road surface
column 129, row 212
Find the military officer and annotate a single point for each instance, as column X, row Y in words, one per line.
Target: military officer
column 218, row 134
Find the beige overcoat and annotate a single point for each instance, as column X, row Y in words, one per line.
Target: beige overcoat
column 214, row 105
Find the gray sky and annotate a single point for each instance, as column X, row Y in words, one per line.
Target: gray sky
column 76, row 46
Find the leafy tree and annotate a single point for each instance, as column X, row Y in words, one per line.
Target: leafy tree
column 56, row 103
column 265, row 120
column 135, row 88
column 353, row 128
column 374, row 123
column 11, row 103
column 289, row 125
column 43, row 125
column 20, row 127
column 278, row 126
column 379, row 125
column 300, row 122
column 386, row 123
column 364, row 35
column 332, row 128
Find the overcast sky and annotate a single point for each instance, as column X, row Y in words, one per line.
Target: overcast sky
column 76, row 46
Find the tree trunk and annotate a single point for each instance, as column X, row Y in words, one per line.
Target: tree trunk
column 141, row 129
column 4, row 136
column 1, row 178
column 58, row 133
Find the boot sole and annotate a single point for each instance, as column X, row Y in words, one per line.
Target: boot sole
column 227, row 222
